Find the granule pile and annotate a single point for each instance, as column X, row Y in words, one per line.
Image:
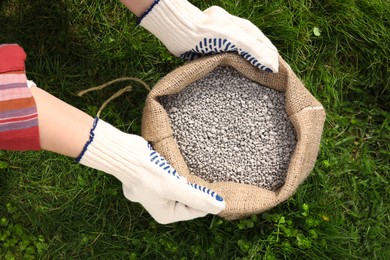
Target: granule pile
column 229, row 128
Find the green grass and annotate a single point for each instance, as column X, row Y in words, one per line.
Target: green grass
column 52, row 208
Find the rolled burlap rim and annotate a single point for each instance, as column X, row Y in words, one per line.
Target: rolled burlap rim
column 305, row 113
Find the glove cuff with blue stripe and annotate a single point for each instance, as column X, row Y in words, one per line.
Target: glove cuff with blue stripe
column 174, row 22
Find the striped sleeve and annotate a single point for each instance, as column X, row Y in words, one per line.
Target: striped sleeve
column 18, row 113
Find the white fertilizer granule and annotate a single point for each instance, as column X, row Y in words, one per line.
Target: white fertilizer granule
column 229, row 128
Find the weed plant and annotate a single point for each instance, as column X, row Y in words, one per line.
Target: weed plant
column 52, row 208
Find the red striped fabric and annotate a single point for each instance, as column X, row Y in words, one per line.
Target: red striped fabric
column 18, row 113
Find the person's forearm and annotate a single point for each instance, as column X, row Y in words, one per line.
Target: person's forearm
column 63, row 128
column 137, row 7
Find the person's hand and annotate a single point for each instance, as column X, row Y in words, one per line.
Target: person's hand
column 164, row 193
column 187, row 32
column 147, row 177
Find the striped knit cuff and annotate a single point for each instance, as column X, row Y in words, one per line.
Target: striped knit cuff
column 18, row 112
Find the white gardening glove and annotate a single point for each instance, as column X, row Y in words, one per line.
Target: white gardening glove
column 146, row 176
column 188, row 33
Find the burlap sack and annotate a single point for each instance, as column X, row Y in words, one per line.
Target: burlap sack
column 305, row 113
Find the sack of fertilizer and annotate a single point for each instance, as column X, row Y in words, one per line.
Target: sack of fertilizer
column 251, row 136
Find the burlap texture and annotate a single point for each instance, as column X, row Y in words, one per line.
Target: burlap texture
column 305, row 113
